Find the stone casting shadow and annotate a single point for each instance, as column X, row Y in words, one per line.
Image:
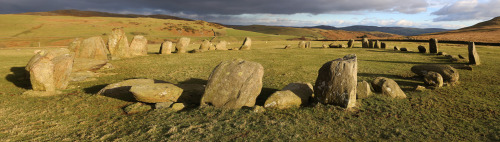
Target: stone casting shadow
column 405, row 83
column 20, row 77
column 264, row 94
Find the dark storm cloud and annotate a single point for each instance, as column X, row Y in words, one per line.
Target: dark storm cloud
column 222, row 7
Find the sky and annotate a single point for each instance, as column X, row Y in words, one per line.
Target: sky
column 448, row 14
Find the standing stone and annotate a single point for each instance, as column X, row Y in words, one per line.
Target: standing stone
column 234, row 84
column 371, row 44
column 325, row 46
column 350, row 43
column 221, row 45
column 74, row 46
column 433, row 45
column 433, row 79
column 91, row 48
column 302, row 44
column 363, row 90
column 308, row 44
column 166, row 47
column 365, row 43
column 422, row 49
column 473, row 56
column 205, row 45
column 50, row 70
column 396, row 48
column 377, row 44
column 63, row 66
column 247, row 44
column 383, row 45
column 118, row 44
column 388, row 87
column 403, row 49
column 139, row 46
column 448, row 73
column 211, row 46
column 182, row 44
column 42, row 75
column 336, row 82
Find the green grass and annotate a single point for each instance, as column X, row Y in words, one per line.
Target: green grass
column 468, row 111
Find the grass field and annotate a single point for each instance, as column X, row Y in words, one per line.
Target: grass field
column 469, row 111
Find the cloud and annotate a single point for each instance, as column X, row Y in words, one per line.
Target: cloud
column 223, row 7
column 468, row 10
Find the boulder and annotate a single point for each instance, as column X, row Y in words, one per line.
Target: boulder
column 121, row 90
column 258, row 109
column 420, row 88
column 383, row 45
column 336, row 82
column 403, row 49
column 91, row 48
column 448, row 73
column 302, row 44
column 288, row 47
column 178, row 106
column 62, row 70
column 234, row 84
column 75, row 45
column 365, row 43
column 83, row 64
column 433, row 79
column 156, row 93
column 166, row 47
column 303, row 90
column 473, row 56
column 371, row 44
column 363, row 90
column 396, row 48
column 211, row 47
column 163, row 105
column 350, row 43
column 205, row 45
column 441, row 53
column 50, row 69
column 332, row 45
column 283, row 100
column 421, row 49
column 42, row 75
column 118, row 44
column 433, row 45
column 377, row 44
column 221, row 45
column 325, row 46
column 182, row 44
column 136, row 108
column 388, row 87
column 139, row 46
column 247, row 44
column 308, row 44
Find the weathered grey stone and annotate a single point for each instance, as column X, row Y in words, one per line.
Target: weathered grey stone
column 433, row 79
column 156, row 93
column 91, row 48
column 62, row 70
column 325, row 46
column 139, row 46
column 42, row 75
column 205, row 45
column 308, row 44
column 448, row 73
column 118, row 44
column 137, row 108
column 371, row 44
column 433, row 45
column 75, row 44
column 363, row 90
column 211, row 47
column 178, row 106
column 365, row 43
column 388, row 87
column 383, row 45
column 403, row 49
column 50, row 69
column 377, row 44
column 83, row 64
column 396, row 48
column 247, row 44
column 332, row 45
column 350, row 43
column 473, row 56
column 302, row 90
column 302, row 44
column 283, row 100
column 421, row 49
column 336, row 82
column 221, row 45
column 163, row 105
column 420, row 88
column 234, row 84
column 166, row 47
column 121, row 90
column 182, row 44
column 441, row 53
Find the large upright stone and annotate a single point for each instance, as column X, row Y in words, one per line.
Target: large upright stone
column 234, row 84
column 383, row 45
column 365, row 43
column 372, row 44
column 182, row 44
column 308, row 44
column 336, row 82
column 42, row 75
column 247, row 44
column 63, row 66
column 448, row 73
column 50, row 69
column 377, row 44
column 473, row 56
column 118, row 44
column 363, row 90
column 302, row 44
column 433, row 45
column 221, row 45
column 421, row 49
column 388, row 87
column 350, row 43
column 166, row 47
column 139, row 46
column 91, row 48
column 205, row 45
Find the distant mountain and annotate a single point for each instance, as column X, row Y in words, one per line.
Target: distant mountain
column 487, row 31
column 79, row 13
column 393, row 30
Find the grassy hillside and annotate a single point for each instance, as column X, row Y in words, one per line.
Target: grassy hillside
column 487, row 31
column 30, row 30
column 469, row 111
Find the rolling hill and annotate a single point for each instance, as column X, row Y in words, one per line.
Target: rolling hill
column 487, row 31
column 393, row 30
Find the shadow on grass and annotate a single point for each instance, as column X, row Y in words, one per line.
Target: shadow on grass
column 20, row 77
column 264, row 94
column 405, row 83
